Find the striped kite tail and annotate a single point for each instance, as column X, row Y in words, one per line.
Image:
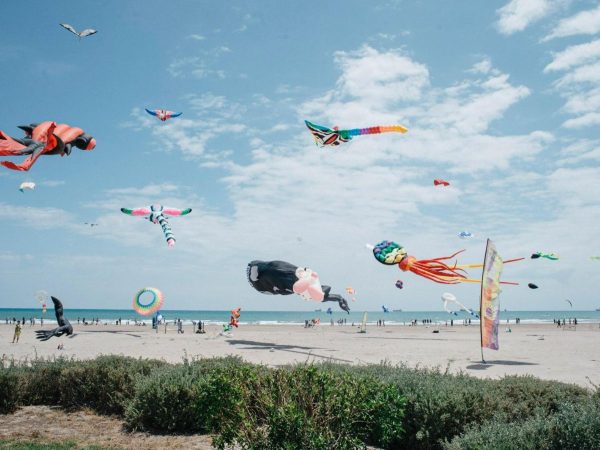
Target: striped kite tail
column 164, row 224
column 377, row 130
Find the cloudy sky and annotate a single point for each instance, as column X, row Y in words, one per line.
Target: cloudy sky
column 502, row 98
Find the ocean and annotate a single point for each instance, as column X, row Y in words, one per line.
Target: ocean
column 293, row 317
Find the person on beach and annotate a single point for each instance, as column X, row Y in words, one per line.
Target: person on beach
column 179, row 326
column 17, row 334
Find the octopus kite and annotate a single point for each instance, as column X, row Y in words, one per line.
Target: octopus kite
column 159, row 214
column 327, row 136
column 46, row 138
column 391, row 253
column 163, row 114
column 283, row 278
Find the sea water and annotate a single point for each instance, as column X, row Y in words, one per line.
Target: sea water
column 110, row 316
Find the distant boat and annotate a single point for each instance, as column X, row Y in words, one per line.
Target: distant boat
column 397, row 310
column 597, row 309
column 318, row 310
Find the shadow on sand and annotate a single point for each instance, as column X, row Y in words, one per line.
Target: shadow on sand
column 498, row 362
column 111, row 332
column 257, row 345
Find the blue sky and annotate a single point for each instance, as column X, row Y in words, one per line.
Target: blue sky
column 501, row 98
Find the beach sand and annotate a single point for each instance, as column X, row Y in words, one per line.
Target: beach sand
column 543, row 350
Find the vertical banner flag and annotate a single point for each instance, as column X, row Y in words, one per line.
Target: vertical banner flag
column 490, row 302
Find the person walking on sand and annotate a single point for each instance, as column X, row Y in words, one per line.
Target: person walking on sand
column 17, row 333
column 179, row 326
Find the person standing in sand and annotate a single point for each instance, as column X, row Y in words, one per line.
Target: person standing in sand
column 17, row 333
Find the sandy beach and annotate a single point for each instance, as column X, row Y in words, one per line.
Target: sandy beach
column 565, row 354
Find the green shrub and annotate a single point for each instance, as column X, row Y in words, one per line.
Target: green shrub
column 311, row 408
column 573, row 427
column 9, row 389
column 441, row 405
column 189, row 398
column 102, row 384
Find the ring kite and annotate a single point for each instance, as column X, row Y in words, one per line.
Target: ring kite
column 46, row 138
column 390, row 253
column 145, row 309
column 550, row 256
column 159, row 214
column 283, row 278
column 163, row 114
column 327, row 136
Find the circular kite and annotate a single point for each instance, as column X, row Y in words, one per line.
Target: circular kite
column 155, row 304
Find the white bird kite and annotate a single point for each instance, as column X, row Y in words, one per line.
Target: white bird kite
column 84, row 33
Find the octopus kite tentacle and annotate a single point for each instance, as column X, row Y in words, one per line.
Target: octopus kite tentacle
column 434, row 269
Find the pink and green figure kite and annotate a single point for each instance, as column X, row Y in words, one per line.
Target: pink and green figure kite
column 327, row 136
column 159, row 214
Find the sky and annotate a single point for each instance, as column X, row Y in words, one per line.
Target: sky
column 501, row 98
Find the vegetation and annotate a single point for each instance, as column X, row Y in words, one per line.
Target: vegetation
column 314, row 406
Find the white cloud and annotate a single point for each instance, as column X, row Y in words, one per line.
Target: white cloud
column 585, row 120
column 584, row 22
column 196, row 37
column 517, row 15
column 574, row 56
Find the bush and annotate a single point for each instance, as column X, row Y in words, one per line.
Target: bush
column 312, row 408
column 190, row 398
column 441, row 405
column 9, row 390
column 573, row 427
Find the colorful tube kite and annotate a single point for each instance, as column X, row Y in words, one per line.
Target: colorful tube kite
column 283, row 278
column 159, row 214
column 327, row 136
column 162, row 114
column 390, row 253
column 46, row 138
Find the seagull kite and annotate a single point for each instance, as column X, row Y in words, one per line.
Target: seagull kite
column 327, row 136
column 81, row 34
column 163, row 114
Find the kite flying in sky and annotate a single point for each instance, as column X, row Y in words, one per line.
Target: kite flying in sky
column 532, row 286
column 327, row 136
column 158, row 214
column 46, row 138
column 390, row 253
column 64, row 326
column 448, row 298
column 550, row 256
column 440, row 182
column 163, row 114
column 283, row 278
column 465, row 234
column 84, row 33
column 27, row 185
